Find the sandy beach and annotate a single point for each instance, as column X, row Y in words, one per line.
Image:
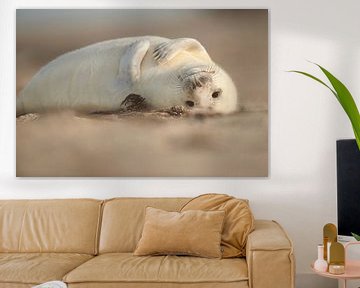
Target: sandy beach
column 147, row 145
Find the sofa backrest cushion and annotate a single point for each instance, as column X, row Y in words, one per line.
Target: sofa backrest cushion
column 66, row 226
column 123, row 220
column 239, row 220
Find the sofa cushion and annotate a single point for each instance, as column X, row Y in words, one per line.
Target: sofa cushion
column 36, row 268
column 123, row 220
column 193, row 232
column 63, row 226
column 126, row 268
column 239, row 220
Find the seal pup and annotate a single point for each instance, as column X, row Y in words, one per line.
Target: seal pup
column 98, row 78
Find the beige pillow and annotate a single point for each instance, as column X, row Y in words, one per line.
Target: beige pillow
column 196, row 233
column 239, row 220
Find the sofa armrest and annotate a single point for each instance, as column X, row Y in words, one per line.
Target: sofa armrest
column 269, row 256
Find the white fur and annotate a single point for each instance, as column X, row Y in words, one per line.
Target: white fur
column 88, row 79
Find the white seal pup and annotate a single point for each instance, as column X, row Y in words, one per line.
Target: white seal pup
column 112, row 75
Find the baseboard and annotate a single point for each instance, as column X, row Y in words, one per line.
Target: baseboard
column 309, row 280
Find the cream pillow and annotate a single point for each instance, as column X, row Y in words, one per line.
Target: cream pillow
column 193, row 232
column 238, row 223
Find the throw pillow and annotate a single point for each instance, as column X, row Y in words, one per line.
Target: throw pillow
column 193, row 232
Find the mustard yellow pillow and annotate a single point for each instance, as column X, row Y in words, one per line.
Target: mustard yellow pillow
column 238, row 223
column 193, row 232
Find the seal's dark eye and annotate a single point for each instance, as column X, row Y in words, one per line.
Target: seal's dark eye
column 190, row 103
column 216, row 94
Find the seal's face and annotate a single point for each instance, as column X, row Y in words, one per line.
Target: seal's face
column 208, row 89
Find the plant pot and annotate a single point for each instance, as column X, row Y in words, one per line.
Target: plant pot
column 348, row 187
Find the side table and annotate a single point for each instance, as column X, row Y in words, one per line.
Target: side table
column 352, row 268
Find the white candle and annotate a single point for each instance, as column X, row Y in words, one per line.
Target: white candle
column 328, row 251
column 336, row 269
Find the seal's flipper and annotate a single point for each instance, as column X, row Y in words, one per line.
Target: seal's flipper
column 129, row 66
column 134, row 102
column 166, row 51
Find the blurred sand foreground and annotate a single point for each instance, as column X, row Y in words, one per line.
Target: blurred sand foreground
column 151, row 144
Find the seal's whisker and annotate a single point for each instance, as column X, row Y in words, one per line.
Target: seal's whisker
column 176, row 85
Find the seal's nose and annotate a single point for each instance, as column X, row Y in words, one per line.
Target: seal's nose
column 189, row 103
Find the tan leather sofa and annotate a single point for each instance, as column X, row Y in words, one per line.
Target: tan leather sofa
column 89, row 243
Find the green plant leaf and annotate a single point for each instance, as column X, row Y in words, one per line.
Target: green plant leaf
column 316, row 79
column 357, row 237
column 344, row 97
column 346, row 100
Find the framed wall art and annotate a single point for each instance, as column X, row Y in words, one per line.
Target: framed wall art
column 144, row 93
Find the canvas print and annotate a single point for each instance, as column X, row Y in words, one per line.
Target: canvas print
column 119, row 93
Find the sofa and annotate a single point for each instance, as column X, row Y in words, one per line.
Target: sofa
column 90, row 243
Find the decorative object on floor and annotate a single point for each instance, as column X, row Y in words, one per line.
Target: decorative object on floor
column 142, row 105
column 194, row 233
column 52, row 284
column 344, row 97
column 329, row 237
column 320, row 264
column 239, row 220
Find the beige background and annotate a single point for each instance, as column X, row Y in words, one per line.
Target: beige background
column 154, row 145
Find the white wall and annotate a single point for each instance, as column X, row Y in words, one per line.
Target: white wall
column 305, row 120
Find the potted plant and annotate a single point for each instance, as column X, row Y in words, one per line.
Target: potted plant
column 348, row 185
